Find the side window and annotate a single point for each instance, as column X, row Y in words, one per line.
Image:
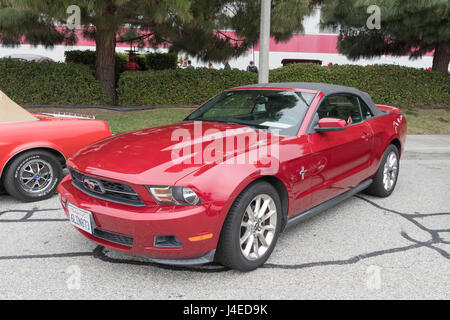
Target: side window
column 366, row 112
column 345, row 107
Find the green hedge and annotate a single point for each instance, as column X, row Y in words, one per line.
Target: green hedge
column 387, row 84
column 86, row 57
column 89, row 57
column 50, row 83
column 75, row 84
column 148, row 61
column 157, row 61
column 393, row 85
column 178, row 87
column 160, row 61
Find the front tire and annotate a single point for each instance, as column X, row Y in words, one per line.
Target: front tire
column 386, row 177
column 33, row 176
column 2, row 190
column 251, row 229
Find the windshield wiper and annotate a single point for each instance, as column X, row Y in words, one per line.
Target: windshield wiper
column 251, row 125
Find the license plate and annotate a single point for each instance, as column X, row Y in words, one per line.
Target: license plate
column 80, row 218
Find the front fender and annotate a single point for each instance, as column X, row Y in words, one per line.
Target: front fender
column 219, row 185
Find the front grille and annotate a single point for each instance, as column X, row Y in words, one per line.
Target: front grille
column 106, row 190
column 123, row 240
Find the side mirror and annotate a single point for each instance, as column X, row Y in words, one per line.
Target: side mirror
column 331, row 125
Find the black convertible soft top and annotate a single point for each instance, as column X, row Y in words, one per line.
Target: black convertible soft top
column 325, row 88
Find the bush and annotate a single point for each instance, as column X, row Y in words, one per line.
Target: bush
column 121, row 62
column 153, row 61
column 50, row 83
column 89, row 57
column 178, row 87
column 161, row 61
column 387, row 84
column 75, row 84
column 141, row 61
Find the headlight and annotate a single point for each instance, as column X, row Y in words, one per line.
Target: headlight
column 181, row 196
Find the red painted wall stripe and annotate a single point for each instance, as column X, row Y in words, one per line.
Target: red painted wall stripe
column 301, row 43
column 308, row 43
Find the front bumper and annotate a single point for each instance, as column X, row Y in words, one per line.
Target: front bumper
column 133, row 229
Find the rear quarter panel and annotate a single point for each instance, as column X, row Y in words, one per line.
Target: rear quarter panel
column 387, row 128
column 66, row 136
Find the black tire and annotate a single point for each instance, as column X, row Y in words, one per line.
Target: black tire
column 14, row 186
column 2, row 190
column 378, row 188
column 229, row 251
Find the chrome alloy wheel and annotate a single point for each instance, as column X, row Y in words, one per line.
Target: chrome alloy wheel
column 390, row 171
column 36, row 176
column 258, row 227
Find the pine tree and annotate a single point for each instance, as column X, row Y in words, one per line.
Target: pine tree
column 202, row 37
column 411, row 28
column 191, row 26
column 102, row 20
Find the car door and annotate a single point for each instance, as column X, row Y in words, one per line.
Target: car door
column 342, row 157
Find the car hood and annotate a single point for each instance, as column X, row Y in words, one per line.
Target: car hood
column 163, row 155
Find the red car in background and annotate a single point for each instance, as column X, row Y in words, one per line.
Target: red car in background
column 224, row 183
column 34, row 148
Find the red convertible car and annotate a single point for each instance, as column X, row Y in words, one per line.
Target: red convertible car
column 34, row 149
column 225, row 182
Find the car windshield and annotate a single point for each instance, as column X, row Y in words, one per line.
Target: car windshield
column 280, row 112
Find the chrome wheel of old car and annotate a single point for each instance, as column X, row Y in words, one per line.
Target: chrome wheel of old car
column 33, row 175
column 36, row 176
column 390, row 171
column 258, row 227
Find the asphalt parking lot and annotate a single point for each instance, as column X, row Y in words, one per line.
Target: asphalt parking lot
column 364, row 248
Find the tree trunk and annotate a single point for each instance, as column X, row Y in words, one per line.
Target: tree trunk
column 441, row 58
column 105, row 39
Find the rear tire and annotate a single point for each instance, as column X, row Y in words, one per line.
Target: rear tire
column 386, row 177
column 33, row 176
column 251, row 229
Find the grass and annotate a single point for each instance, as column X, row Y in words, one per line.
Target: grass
column 128, row 121
column 427, row 121
column 420, row 120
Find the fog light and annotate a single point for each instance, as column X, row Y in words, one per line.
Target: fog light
column 167, row 242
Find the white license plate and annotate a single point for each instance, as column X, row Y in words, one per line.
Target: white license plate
column 80, row 218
